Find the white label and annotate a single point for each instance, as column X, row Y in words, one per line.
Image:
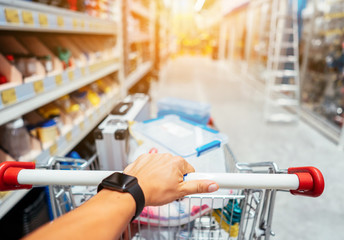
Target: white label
column 176, row 130
column 48, row 66
column 31, row 67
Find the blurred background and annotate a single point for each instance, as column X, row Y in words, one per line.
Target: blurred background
column 271, row 70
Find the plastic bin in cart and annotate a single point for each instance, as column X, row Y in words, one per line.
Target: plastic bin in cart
column 244, row 212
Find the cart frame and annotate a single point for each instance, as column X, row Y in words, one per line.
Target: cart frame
column 246, row 213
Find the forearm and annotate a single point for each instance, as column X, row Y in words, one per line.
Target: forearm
column 105, row 216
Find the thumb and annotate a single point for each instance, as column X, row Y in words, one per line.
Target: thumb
column 199, row 186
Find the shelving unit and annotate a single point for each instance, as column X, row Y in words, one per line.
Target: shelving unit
column 79, row 130
column 36, row 19
column 162, row 35
column 24, row 98
column 10, row 200
column 44, row 22
column 138, row 40
column 29, row 16
column 138, row 74
column 64, row 144
column 321, row 70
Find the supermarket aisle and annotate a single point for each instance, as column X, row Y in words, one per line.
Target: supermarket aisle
column 237, row 108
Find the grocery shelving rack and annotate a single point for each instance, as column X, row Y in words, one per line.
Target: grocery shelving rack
column 326, row 13
column 30, row 16
column 17, row 100
column 138, row 46
column 162, row 36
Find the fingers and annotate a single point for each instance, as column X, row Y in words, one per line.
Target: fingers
column 184, row 166
column 199, row 186
column 187, row 167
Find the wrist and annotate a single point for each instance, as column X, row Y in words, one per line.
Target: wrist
column 114, row 200
column 123, row 183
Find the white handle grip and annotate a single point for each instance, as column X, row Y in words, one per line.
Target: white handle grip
column 249, row 180
column 225, row 180
column 62, row 177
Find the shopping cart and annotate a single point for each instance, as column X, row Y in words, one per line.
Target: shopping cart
column 243, row 212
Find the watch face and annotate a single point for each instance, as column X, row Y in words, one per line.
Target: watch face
column 119, row 181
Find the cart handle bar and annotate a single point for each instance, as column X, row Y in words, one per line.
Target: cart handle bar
column 306, row 181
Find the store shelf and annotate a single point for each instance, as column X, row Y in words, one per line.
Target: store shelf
column 137, row 38
column 139, row 73
column 16, row 101
column 140, row 10
column 320, row 123
column 10, row 200
column 64, row 144
column 132, row 55
column 29, row 16
column 81, row 128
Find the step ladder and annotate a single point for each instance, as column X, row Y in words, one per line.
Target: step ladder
column 282, row 99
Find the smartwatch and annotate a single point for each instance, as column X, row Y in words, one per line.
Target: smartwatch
column 124, row 183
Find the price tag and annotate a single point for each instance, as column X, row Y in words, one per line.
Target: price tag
column 53, row 149
column 69, row 136
column 90, row 118
column 82, row 23
column 27, row 17
column 38, row 86
column 58, row 80
column 12, row 15
column 43, row 19
column 83, row 71
column 60, row 21
column 75, row 23
column 82, row 126
column 71, row 75
column 9, row 96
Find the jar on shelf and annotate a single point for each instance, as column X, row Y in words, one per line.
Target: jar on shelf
column 47, row 63
column 16, row 138
column 69, row 106
column 51, row 111
column 47, row 131
column 92, row 96
column 30, row 65
column 81, row 98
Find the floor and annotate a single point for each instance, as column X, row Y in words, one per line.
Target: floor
column 237, row 109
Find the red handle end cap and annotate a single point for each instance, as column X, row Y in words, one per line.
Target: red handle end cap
column 311, row 180
column 9, row 173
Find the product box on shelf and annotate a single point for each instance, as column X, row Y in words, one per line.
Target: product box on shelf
column 68, row 58
column 10, row 76
column 96, row 48
column 80, row 57
column 85, row 46
column 46, row 56
column 17, row 64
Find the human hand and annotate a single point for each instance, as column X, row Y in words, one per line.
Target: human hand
column 160, row 177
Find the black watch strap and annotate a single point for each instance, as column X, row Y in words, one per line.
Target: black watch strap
column 134, row 189
column 139, row 198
